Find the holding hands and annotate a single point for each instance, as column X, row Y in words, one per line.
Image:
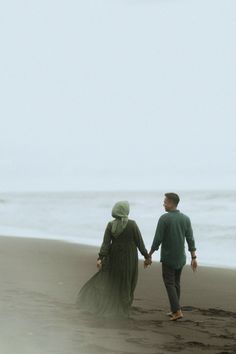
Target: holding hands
column 147, row 262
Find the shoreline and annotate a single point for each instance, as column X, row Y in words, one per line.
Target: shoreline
column 205, row 265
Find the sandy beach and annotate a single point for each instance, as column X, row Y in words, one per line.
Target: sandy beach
column 40, row 280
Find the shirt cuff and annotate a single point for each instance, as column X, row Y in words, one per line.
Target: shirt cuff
column 192, row 249
column 100, row 257
column 153, row 249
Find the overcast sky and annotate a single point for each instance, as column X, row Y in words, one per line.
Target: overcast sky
column 117, row 94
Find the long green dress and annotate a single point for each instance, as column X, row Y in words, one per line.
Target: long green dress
column 110, row 292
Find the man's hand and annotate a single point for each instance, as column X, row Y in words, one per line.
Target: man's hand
column 194, row 264
column 99, row 263
column 147, row 262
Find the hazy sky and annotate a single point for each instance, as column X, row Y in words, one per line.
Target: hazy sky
column 117, row 94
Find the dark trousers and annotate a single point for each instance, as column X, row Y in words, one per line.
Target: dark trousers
column 171, row 278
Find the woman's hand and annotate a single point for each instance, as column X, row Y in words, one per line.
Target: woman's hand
column 99, row 263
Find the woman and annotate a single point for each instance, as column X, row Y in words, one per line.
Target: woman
column 110, row 292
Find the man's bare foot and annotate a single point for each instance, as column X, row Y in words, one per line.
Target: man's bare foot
column 177, row 315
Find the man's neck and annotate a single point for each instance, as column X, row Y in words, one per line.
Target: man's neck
column 174, row 209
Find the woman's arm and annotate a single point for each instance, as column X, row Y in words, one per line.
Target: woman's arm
column 105, row 247
column 139, row 241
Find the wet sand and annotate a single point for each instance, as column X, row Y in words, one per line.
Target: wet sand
column 40, row 280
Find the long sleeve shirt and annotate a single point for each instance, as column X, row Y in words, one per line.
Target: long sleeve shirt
column 172, row 230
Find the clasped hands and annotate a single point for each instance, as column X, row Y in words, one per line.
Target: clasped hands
column 147, row 262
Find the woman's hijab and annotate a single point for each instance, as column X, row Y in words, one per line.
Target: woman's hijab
column 120, row 212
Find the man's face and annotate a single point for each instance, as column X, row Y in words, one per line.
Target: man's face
column 168, row 204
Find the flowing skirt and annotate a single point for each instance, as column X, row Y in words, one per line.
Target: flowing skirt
column 110, row 292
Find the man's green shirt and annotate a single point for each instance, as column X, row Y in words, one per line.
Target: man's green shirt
column 172, row 230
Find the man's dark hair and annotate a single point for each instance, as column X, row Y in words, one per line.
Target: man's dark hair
column 173, row 197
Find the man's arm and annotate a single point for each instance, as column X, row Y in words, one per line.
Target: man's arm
column 191, row 244
column 159, row 235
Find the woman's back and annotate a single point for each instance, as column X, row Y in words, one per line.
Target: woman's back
column 110, row 291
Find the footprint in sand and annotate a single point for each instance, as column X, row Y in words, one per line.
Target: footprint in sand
column 218, row 312
column 196, row 344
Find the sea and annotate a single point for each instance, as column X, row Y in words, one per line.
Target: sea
column 81, row 218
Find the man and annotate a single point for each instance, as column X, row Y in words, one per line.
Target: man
column 172, row 229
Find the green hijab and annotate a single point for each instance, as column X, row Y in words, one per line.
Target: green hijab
column 120, row 212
